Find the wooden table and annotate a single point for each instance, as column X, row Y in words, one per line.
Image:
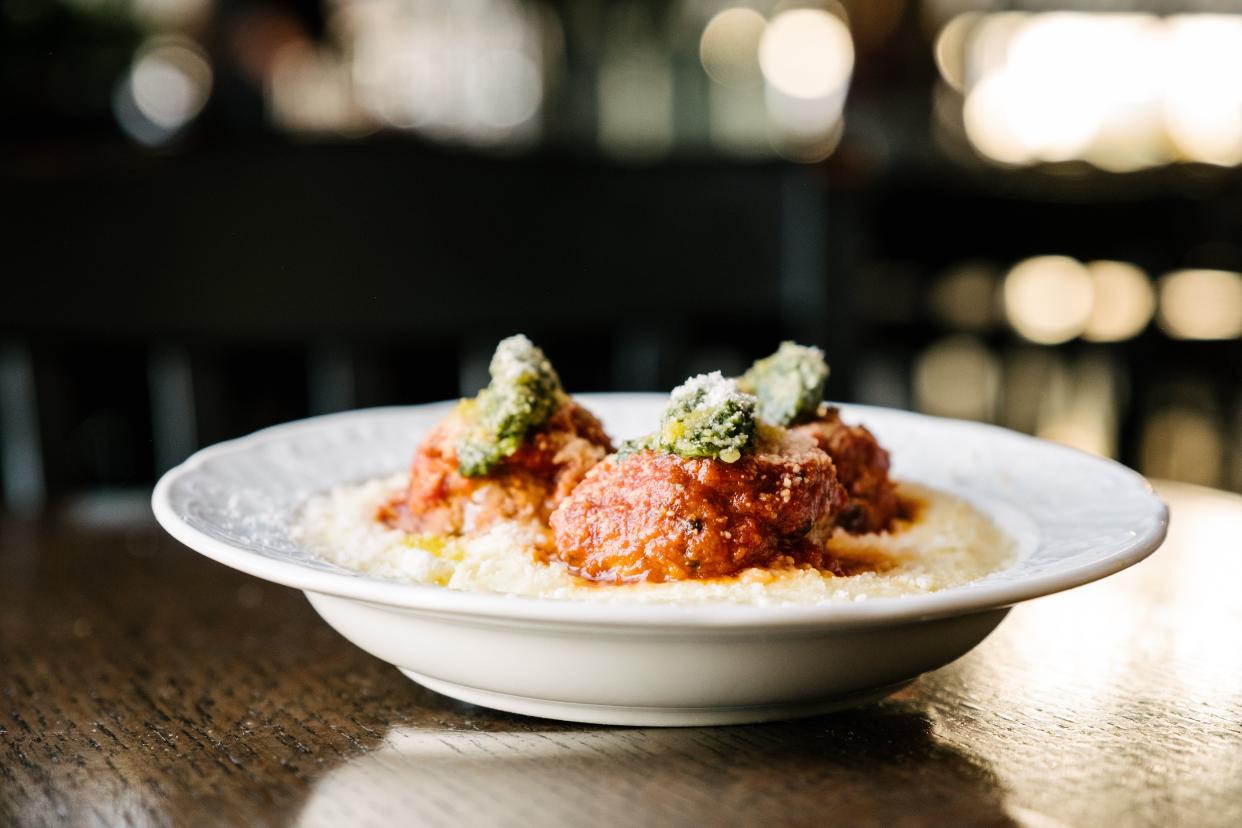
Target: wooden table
column 143, row 684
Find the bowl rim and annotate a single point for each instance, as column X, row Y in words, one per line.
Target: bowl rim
column 429, row 598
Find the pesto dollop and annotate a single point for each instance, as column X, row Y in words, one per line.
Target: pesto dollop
column 706, row 416
column 789, row 384
column 523, row 392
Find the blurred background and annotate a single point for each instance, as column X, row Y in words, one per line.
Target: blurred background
column 223, row 215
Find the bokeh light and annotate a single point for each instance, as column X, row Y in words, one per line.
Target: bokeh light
column 169, row 15
column 989, row 125
column 729, row 47
column 311, row 91
column 1034, row 377
column 957, row 377
column 807, row 57
column 1078, row 406
column 1183, row 442
column 1048, row 299
column 1123, row 304
column 807, row 53
column 964, row 297
column 472, row 74
column 1201, row 304
column 950, row 49
column 1203, row 87
column 1061, row 79
column 1121, row 91
column 504, row 90
column 636, row 104
column 168, row 84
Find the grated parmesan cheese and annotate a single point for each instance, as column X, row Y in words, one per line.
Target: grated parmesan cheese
column 707, row 391
column 950, row 544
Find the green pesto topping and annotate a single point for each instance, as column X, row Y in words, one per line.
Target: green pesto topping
column 707, row 416
column 634, row 445
column 523, row 392
column 789, row 383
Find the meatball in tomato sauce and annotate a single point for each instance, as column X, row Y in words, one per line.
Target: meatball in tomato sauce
column 658, row 516
column 511, row 452
column 862, row 468
column 789, row 387
column 527, row 484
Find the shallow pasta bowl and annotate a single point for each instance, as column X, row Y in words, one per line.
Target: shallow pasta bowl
column 1074, row 518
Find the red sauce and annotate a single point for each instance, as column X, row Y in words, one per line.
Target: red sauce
column 862, row 466
column 657, row 517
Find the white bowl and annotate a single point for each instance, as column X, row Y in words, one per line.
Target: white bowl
column 1075, row 518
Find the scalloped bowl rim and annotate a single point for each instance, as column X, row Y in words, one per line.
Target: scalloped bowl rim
column 973, row 597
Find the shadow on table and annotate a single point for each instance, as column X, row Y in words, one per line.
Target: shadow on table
column 881, row 765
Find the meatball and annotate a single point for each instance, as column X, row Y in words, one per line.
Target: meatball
column 525, row 485
column 655, row 516
column 862, row 469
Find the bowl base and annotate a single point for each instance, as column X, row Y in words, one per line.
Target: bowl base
column 608, row 714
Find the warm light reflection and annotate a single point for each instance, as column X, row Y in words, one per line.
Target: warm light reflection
column 1201, row 304
column 1205, row 533
column 1048, row 299
column 957, row 377
column 540, row 774
column 1121, row 91
column 729, row 47
column 1078, row 665
column 425, row 773
column 1123, row 303
column 1151, row 650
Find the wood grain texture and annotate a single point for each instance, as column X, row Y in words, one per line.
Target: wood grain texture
column 141, row 684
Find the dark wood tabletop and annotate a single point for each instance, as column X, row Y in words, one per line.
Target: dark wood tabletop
column 143, row 684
